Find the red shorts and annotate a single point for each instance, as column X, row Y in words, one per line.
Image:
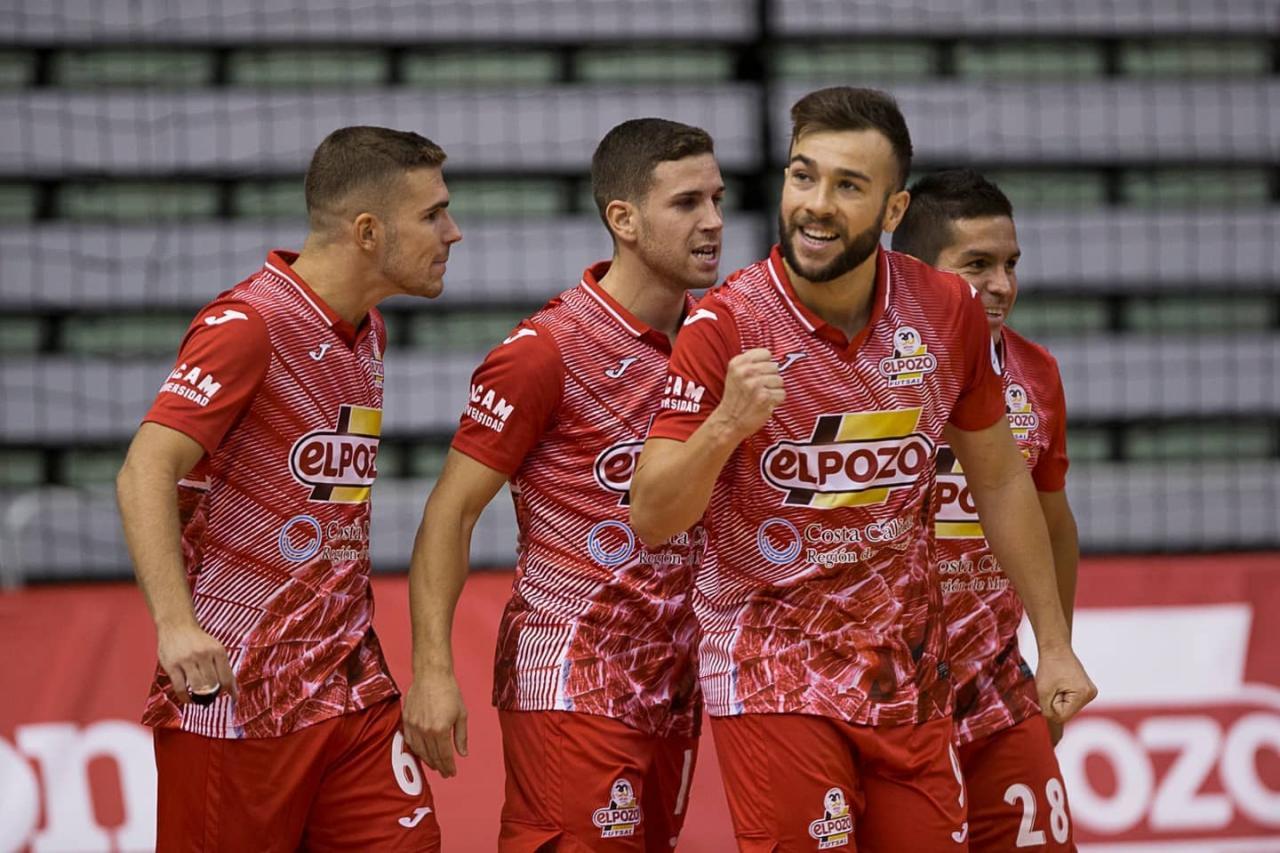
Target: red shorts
column 587, row 782
column 1016, row 796
column 347, row 783
column 800, row 782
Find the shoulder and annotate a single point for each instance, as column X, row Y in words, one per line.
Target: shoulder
column 1030, row 353
column 229, row 316
column 917, row 278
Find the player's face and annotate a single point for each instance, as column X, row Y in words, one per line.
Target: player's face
column 680, row 223
column 839, row 194
column 985, row 253
column 419, row 232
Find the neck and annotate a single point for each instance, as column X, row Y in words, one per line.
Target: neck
column 335, row 280
column 843, row 302
column 652, row 299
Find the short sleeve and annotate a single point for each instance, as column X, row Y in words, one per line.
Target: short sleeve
column 221, row 365
column 707, row 341
column 1050, row 473
column 513, row 398
column 981, row 400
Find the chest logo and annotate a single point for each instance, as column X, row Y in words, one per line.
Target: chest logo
column 1017, row 405
column 623, row 364
column 318, row 352
column 910, row 361
column 790, row 359
column 615, row 466
column 339, row 464
column 852, row 459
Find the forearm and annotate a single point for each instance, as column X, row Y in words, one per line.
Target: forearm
column 147, row 499
column 437, row 572
column 1015, row 529
column 673, row 481
column 1065, row 541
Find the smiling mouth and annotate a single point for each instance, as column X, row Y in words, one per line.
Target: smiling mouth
column 818, row 235
column 707, row 253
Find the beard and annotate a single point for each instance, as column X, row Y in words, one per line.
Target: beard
column 861, row 247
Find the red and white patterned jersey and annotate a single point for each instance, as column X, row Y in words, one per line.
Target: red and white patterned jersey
column 818, row 594
column 995, row 689
column 286, row 399
column 597, row 623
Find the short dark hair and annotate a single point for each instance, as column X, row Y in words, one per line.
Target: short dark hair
column 939, row 199
column 363, row 159
column 623, row 163
column 851, row 108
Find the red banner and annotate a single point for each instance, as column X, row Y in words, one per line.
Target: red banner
column 1181, row 752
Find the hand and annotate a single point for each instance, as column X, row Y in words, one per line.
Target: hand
column 752, row 390
column 1063, row 685
column 435, row 721
column 195, row 662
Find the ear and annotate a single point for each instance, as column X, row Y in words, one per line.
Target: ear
column 366, row 230
column 623, row 218
column 895, row 209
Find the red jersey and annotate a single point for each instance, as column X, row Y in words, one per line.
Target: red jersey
column 995, row 689
column 286, row 399
column 818, row 594
column 597, row 623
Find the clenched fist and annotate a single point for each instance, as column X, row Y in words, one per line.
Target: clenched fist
column 752, row 390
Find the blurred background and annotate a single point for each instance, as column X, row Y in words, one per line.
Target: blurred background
column 152, row 152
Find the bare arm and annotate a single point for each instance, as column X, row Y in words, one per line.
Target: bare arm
column 435, row 717
column 146, row 493
column 1015, row 528
column 1064, row 540
column 674, row 479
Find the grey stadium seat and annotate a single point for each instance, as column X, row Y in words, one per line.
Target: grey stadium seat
column 135, row 266
column 183, row 265
column 260, row 132
column 383, row 20
column 57, row 398
column 1079, row 122
column 990, row 17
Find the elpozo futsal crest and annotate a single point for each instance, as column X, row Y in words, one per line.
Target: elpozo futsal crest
column 910, row 361
column 1017, row 405
column 851, row 459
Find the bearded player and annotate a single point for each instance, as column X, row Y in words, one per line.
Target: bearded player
column 807, row 397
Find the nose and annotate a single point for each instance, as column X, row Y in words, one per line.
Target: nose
column 1000, row 282
column 712, row 217
column 818, row 203
column 453, row 233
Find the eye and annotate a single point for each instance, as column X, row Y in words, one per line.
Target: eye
column 848, row 185
column 977, row 266
column 800, row 176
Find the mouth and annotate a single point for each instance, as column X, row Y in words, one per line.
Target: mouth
column 707, row 255
column 816, row 238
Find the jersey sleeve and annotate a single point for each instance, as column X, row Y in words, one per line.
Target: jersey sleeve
column 221, row 365
column 1050, row 473
column 981, row 400
column 513, row 398
column 695, row 377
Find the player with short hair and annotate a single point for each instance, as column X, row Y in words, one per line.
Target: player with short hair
column 277, row 723
column 594, row 674
column 807, row 397
column 961, row 222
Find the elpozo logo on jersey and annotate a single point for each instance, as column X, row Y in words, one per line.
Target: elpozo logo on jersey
column 910, row 361
column 340, row 464
column 615, row 466
column 1017, row 405
column 853, row 459
column 957, row 515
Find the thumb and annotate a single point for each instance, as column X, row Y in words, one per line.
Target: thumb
column 460, row 736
